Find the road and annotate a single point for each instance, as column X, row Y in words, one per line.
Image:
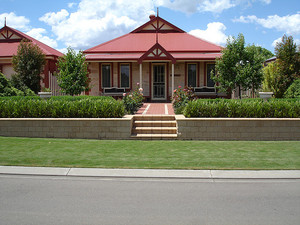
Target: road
column 73, row 200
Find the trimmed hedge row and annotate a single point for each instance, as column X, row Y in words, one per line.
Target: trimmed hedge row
column 243, row 108
column 61, row 107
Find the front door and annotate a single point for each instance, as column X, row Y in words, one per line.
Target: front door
column 159, row 82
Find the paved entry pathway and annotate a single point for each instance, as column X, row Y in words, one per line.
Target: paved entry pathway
column 156, row 108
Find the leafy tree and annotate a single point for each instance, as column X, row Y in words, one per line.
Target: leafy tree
column 294, row 90
column 240, row 66
column 288, row 63
column 72, row 76
column 28, row 65
column 271, row 76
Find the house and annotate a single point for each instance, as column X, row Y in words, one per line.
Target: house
column 272, row 59
column 10, row 39
column 158, row 57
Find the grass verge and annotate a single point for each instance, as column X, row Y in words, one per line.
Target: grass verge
column 150, row 154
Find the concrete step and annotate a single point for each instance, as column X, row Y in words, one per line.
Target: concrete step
column 154, row 136
column 154, row 117
column 155, row 123
column 154, row 130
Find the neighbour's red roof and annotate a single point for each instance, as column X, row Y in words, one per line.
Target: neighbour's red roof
column 175, row 41
column 8, row 48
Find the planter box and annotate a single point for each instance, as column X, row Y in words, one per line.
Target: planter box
column 265, row 95
column 45, row 94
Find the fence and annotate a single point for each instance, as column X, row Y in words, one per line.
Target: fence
column 53, row 85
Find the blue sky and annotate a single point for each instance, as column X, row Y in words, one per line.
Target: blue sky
column 82, row 24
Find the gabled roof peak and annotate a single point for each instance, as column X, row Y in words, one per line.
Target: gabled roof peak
column 159, row 25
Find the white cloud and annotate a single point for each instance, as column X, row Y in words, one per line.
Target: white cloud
column 37, row 33
column 52, row 18
column 216, row 6
column 289, row 24
column 193, row 6
column 266, row 1
column 96, row 21
column 215, row 33
column 276, row 41
column 71, row 4
column 297, row 41
column 213, row 6
column 14, row 21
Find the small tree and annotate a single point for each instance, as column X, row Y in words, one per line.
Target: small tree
column 228, row 67
column 28, row 65
column 72, row 76
column 240, row 66
column 288, row 63
column 271, row 77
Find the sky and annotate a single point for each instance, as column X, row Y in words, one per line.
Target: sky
column 82, row 24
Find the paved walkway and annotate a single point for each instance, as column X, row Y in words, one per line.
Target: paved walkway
column 152, row 173
column 156, row 108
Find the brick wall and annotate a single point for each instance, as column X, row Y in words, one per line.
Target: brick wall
column 238, row 128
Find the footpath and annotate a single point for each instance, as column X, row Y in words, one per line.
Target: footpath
column 151, row 173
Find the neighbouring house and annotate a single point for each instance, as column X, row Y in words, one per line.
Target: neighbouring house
column 10, row 39
column 272, row 59
column 158, row 57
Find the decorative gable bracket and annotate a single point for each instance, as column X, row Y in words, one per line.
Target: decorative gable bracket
column 157, row 52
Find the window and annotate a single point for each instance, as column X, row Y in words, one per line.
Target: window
column 210, row 68
column 192, row 75
column 106, row 75
column 125, row 75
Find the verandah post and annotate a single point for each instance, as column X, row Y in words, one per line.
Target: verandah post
column 172, row 79
column 141, row 78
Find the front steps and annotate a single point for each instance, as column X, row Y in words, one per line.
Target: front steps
column 149, row 127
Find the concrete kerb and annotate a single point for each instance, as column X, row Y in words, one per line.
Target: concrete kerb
column 151, row 173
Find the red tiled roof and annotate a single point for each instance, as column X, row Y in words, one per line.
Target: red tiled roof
column 142, row 42
column 8, row 49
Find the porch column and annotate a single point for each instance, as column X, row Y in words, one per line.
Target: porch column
column 172, row 79
column 141, row 77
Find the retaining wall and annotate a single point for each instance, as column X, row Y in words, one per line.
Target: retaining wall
column 270, row 129
column 100, row 128
column 188, row 128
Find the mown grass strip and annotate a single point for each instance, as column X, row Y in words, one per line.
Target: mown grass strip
column 150, row 154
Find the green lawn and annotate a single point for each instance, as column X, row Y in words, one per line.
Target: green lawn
column 150, row 154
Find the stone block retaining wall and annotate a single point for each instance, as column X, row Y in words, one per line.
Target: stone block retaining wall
column 272, row 129
column 119, row 128
column 188, row 128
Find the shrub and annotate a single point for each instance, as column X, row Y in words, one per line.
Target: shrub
column 181, row 97
column 34, row 107
column 133, row 100
column 243, row 109
column 7, row 89
column 294, row 90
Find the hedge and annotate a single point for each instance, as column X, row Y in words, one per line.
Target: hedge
column 61, row 107
column 255, row 108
